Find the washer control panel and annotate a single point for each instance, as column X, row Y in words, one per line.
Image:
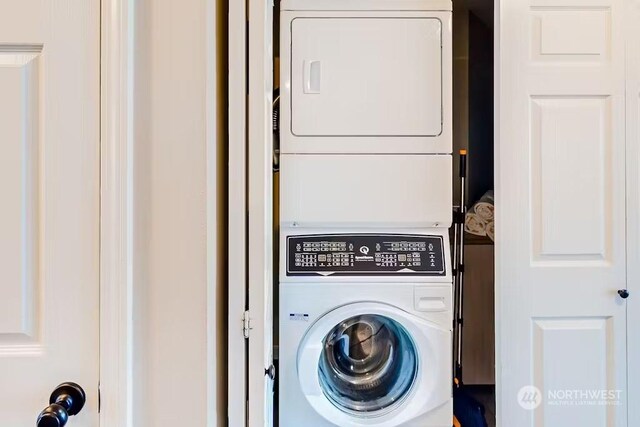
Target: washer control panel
column 365, row 254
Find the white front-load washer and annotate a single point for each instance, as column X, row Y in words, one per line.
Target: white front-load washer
column 365, row 354
column 365, row 330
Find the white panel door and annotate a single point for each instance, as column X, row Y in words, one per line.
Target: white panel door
column 49, row 220
column 561, row 325
column 633, row 204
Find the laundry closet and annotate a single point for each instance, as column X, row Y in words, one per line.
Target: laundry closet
column 365, row 130
column 357, row 204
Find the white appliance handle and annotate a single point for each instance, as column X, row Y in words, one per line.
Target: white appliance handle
column 311, row 76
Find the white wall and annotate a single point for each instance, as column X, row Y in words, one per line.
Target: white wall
column 180, row 297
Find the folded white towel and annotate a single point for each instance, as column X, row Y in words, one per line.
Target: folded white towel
column 474, row 224
column 484, row 207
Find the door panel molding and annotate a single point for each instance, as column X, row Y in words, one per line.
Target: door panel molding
column 20, row 171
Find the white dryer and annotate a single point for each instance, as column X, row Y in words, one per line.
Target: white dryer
column 365, row 330
column 366, row 76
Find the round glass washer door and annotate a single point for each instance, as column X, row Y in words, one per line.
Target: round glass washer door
column 368, row 364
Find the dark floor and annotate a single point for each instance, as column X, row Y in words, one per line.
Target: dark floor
column 486, row 395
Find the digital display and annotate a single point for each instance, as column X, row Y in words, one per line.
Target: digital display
column 365, row 254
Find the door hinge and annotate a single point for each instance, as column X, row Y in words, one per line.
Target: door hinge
column 246, row 324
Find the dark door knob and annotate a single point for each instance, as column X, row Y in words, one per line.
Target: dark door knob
column 624, row 294
column 66, row 400
column 270, row 372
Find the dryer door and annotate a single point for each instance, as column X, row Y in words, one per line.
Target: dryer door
column 363, row 363
column 366, row 76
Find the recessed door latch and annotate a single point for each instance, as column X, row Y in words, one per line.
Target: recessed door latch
column 624, row 294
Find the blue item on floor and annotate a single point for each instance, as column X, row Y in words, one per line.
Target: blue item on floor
column 468, row 411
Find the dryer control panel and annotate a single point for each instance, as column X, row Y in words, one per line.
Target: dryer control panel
column 365, row 254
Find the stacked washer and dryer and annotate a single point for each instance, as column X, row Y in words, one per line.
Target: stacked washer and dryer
column 365, row 207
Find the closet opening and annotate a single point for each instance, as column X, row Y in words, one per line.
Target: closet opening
column 473, row 130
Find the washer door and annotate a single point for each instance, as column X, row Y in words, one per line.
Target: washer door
column 361, row 364
column 368, row 364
